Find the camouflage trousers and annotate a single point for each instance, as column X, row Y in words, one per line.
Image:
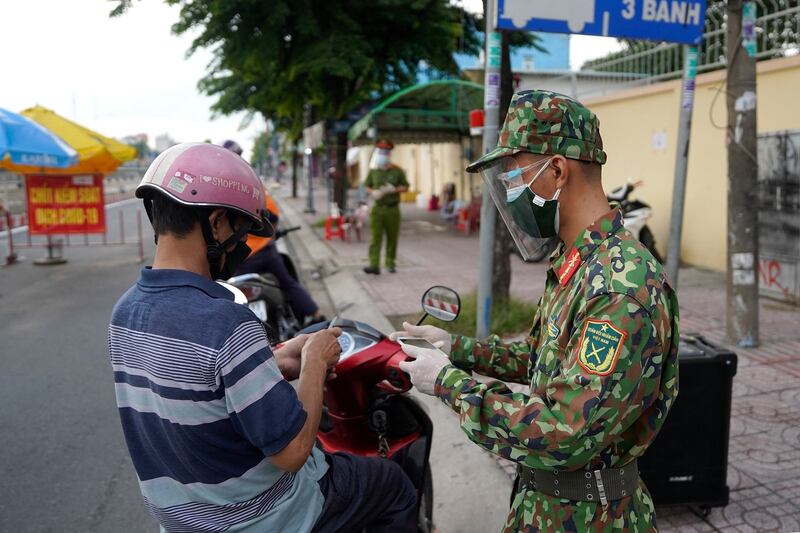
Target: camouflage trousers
column 533, row 511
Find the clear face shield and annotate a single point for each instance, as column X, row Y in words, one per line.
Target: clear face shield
column 380, row 159
column 531, row 219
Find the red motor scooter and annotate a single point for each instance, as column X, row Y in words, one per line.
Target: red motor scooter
column 367, row 409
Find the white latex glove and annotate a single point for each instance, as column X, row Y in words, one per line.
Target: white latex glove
column 432, row 334
column 425, row 367
column 388, row 188
column 377, row 194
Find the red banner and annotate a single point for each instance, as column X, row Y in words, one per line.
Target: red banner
column 65, row 204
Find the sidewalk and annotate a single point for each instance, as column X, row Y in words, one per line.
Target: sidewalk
column 458, row 478
column 764, row 454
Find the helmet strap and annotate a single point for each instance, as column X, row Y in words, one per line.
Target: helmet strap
column 215, row 250
column 148, row 208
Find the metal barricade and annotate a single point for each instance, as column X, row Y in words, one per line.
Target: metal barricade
column 116, row 236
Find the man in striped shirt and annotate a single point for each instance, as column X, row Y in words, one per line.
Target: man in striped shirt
column 219, row 439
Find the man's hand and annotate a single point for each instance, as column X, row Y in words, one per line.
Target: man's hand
column 319, row 353
column 288, row 356
column 425, row 368
column 322, row 349
column 432, row 334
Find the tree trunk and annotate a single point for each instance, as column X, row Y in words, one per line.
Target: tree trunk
column 503, row 244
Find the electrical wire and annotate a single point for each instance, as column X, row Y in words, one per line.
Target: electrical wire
column 719, row 89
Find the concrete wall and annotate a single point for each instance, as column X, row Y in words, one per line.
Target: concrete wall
column 429, row 166
column 639, row 129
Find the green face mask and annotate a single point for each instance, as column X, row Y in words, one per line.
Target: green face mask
column 534, row 215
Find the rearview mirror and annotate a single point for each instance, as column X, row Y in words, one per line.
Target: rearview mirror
column 442, row 303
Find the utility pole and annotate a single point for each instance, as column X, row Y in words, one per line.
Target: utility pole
column 307, row 162
column 294, row 168
column 491, row 106
column 742, row 275
column 681, row 163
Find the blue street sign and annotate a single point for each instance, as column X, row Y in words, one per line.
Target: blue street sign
column 678, row 21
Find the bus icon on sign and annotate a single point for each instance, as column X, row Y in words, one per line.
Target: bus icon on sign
column 576, row 13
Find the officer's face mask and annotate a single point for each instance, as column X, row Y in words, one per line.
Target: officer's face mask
column 382, row 158
column 537, row 216
column 530, row 219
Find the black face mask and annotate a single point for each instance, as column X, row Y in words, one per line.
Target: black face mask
column 215, row 251
column 233, row 259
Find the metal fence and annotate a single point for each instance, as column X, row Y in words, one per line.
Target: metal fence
column 642, row 63
column 122, row 229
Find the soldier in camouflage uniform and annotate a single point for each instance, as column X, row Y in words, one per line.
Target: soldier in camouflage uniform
column 384, row 183
column 601, row 359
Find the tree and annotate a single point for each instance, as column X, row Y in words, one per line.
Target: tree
column 261, row 151
column 274, row 57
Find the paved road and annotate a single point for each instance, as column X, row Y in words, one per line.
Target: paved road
column 63, row 463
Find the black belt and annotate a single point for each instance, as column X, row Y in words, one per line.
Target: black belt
column 602, row 486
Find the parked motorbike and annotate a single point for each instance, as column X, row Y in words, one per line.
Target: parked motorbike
column 266, row 299
column 367, row 409
column 635, row 214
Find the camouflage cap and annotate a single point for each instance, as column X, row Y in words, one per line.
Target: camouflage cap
column 544, row 122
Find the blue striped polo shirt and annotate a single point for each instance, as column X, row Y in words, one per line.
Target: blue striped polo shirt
column 203, row 407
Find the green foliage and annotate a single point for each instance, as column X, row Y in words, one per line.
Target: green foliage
column 511, row 317
column 319, row 224
column 261, row 149
column 273, row 57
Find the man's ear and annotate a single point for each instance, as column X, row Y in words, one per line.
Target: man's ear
column 560, row 166
column 215, row 220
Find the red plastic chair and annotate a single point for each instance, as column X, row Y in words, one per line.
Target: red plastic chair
column 334, row 227
column 468, row 218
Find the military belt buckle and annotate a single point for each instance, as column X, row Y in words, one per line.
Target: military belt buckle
column 600, row 487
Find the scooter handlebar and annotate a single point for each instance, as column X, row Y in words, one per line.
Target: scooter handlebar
column 285, row 231
column 397, row 380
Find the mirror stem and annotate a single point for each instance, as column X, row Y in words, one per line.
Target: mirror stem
column 422, row 319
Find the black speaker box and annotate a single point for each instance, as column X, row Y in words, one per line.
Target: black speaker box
column 687, row 463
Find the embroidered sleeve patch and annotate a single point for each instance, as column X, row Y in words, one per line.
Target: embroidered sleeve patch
column 553, row 330
column 599, row 347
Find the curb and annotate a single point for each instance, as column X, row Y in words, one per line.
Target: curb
column 347, row 296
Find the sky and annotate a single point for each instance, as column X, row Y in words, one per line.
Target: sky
column 118, row 76
column 129, row 75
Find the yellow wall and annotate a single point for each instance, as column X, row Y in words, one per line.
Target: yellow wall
column 629, row 120
column 428, row 167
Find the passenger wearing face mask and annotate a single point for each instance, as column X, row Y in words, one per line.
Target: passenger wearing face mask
column 601, row 361
column 384, row 183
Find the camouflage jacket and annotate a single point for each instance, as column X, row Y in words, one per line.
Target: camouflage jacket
column 602, row 365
